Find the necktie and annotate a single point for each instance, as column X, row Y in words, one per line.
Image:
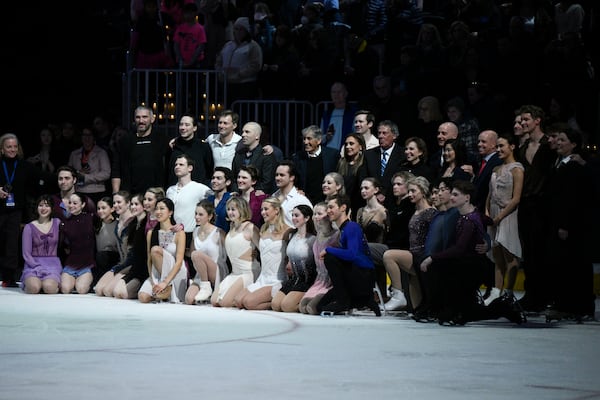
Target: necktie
column 483, row 162
column 383, row 162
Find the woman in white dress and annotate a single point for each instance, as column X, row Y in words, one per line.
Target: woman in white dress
column 166, row 267
column 274, row 235
column 240, row 245
column 506, row 185
column 207, row 252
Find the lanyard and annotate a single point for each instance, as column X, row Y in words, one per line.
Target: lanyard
column 10, row 180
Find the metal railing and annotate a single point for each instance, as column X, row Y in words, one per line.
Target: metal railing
column 203, row 93
column 171, row 93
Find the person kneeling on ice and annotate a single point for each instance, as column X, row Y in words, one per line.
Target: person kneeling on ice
column 350, row 266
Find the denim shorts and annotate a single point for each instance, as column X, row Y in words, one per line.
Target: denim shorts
column 76, row 272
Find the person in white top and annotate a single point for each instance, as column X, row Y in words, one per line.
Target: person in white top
column 224, row 144
column 287, row 193
column 185, row 194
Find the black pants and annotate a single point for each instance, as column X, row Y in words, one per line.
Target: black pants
column 352, row 285
column 10, row 235
column 533, row 233
column 453, row 285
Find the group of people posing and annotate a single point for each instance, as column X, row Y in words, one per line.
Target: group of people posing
column 319, row 231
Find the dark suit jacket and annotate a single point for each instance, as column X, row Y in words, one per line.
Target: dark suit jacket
column 373, row 167
column 329, row 157
column 482, row 181
column 265, row 164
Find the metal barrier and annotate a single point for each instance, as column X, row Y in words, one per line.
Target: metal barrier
column 171, row 93
column 282, row 120
column 202, row 93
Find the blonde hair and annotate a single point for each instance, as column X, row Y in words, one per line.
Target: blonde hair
column 8, row 136
column 242, row 206
column 279, row 224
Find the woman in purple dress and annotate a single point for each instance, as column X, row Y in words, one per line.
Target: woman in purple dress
column 42, row 266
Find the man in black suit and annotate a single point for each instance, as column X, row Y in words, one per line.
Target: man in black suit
column 313, row 163
column 486, row 144
column 251, row 153
column 389, row 150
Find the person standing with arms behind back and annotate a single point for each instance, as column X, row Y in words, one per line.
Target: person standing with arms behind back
column 17, row 178
column 140, row 162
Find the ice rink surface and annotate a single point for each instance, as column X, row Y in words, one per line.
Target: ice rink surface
column 86, row 347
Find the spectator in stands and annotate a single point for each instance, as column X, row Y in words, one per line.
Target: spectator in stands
column 361, row 67
column 383, row 103
column 189, row 39
column 190, row 143
column 251, row 153
column 429, row 119
column 262, row 28
column 241, row 59
column 468, row 128
column 313, row 163
column 67, row 140
column 318, row 66
column 338, row 119
column 149, row 45
column 46, row 159
column 281, row 66
column 92, row 165
column 140, row 161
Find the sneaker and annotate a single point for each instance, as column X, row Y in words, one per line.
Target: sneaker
column 494, row 294
column 397, row 302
